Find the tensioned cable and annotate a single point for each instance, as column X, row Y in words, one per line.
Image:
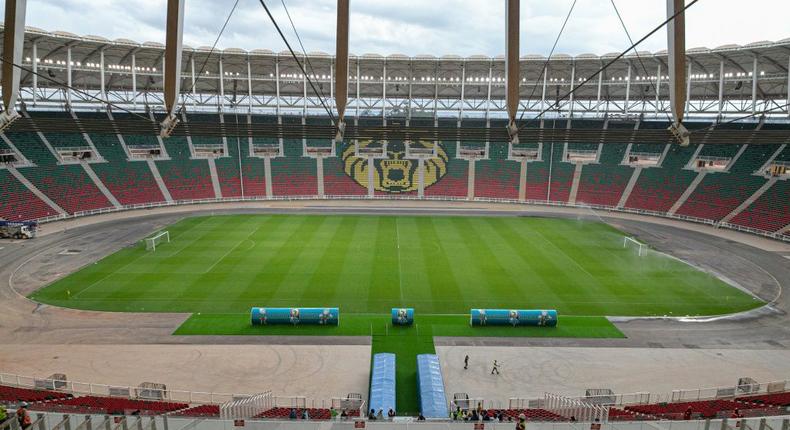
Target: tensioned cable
column 211, row 51
column 546, row 64
column 639, row 57
column 304, row 51
column 301, row 66
column 612, row 61
column 77, row 90
column 714, row 125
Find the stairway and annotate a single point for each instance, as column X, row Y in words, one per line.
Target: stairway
column 21, row 178
column 577, row 175
column 159, row 181
column 629, row 187
column 746, row 203
column 683, row 197
column 212, row 167
column 99, row 184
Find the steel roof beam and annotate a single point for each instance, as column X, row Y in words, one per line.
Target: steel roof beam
column 172, row 73
column 13, row 39
column 341, row 66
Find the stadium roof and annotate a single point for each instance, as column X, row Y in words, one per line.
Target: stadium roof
column 433, row 77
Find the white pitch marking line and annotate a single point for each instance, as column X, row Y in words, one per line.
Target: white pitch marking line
column 400, row 277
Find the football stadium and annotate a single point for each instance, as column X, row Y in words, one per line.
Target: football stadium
column 208, row 237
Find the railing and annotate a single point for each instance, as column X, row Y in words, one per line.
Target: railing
column 680, row 395
column 56, row 421
column 153, row 205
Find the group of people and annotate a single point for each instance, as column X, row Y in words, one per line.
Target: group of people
column 494, row 368
column 481, row 414
column 373, row 415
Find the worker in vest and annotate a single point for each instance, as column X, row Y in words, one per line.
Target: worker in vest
column 3, row 414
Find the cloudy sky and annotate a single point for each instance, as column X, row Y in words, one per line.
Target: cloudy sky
column 462, row 27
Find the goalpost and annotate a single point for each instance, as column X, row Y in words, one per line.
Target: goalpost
column 153, row 241
column 641, row 248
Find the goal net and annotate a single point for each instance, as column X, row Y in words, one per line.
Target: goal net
column 152, row 242
column 631, row 243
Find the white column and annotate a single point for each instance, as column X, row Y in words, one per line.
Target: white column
column 384, row 94
column 221, row 86
column 35, row 71
column 435, row 90
column 358, row 77
column 754, row 85
column 411, row 78
column 192, row 73
column 420, row 178
column 627, row 89
column 488, row 94
column 304, row 89
column 371, row 178
column 688, row 89
column 573, row 82
column 101, row 75
column 277, row 84
column 658, row 88
column 249, row 86
column 134, row 80
column 721, row 86
column 463, row 87
column 331, row 86
column 598, row 98
column 543, row 93
column 68, row 75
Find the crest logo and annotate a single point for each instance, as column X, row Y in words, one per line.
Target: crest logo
column 396, row 173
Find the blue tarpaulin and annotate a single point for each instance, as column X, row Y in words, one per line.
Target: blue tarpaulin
column 382, row 383
column 430, row 387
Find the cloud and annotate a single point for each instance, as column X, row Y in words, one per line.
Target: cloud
column 411, row 27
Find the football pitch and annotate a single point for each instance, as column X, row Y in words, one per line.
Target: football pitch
column 218, row 267
column 440, row 265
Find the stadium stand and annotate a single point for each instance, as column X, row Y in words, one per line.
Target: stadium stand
column 603, row 183
column 201, row 411
column 240, row 173
column 497, row 177
column 773, row 399
column 108, row 405
column 129, row 181
column 17, row 203
column 13, row 395
column 720, row 193
column 701, row 408
column 294, row 174
column 657, row 189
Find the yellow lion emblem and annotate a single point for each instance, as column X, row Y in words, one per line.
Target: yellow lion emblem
column 396, row 173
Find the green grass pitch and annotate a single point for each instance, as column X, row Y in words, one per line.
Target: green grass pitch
column 218, row 267
column 369, row 264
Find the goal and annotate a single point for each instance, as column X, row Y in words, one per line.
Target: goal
column 152, row 242
column 629, row 242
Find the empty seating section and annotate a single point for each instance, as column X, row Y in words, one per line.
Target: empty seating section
column 131, row 182
column 538, row 175
column 720, row 193
column 336, row 182
column 294, row 174
column 770, row 212
column 202, row 411
column 108, row 405
column 497, row 177
column 185, row 178
column 530, row 414
column 455, row 181
column 561, row 179
column 67, row 185
column 603, row 183
column 14, row 395
column 18, row 203
column 657, row 189
column 700, row 408
column 228, row 164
